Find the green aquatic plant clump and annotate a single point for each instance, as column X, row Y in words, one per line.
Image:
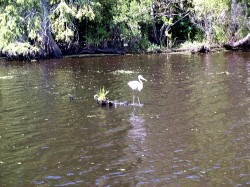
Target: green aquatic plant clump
column 101, row 94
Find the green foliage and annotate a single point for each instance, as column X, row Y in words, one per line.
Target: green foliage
column 20, row 23
column 95, row 38
column 153, row 48
column 199, row 35
column 144, row 43
column 211, row 17
column 19, row 49
column 102, row 33
column 132, row 14
column 220, row 36
column 184, row 29
column 101, row 94
column 63, row 18
column 167, row 21
column 221, row 20
column 142, row 24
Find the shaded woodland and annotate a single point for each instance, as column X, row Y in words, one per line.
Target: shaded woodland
column 53, row 28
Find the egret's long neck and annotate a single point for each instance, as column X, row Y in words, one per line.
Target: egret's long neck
column 141, row 81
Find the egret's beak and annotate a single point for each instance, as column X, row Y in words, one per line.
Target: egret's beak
column 144, row 79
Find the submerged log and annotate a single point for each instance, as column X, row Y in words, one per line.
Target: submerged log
column 108, row 103
column 104, row 103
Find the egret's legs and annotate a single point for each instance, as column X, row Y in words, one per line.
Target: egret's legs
column 138, row 100
column 133, row 97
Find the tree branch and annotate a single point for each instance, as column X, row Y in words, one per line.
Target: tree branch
column 232, row 45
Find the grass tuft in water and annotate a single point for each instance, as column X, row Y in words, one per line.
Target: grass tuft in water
column 101, row 94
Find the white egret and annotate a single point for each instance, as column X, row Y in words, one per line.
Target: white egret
column 136, row 86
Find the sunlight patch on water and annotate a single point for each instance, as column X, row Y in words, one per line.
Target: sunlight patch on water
column 6, row 77
column 193, row 177
column 70, row 183
column 53, row 177
column 117, row 72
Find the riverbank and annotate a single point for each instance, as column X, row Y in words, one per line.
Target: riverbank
column 187, row 47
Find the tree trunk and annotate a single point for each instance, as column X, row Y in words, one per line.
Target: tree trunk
column 162, row 33
column 233, row 23
column 155, row 39
column 49, row 46
column 208, row 27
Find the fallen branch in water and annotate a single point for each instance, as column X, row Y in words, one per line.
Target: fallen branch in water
column 238, row 43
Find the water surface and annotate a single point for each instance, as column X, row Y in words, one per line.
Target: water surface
column 192, row 130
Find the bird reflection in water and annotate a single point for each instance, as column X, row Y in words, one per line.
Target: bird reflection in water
column 137, row 133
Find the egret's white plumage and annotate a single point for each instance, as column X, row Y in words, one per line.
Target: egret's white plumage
column 136, row 86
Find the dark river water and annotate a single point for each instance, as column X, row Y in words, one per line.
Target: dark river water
column 192, row 130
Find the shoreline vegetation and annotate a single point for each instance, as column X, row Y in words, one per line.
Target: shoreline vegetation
column 187, row 48
column 35, row 29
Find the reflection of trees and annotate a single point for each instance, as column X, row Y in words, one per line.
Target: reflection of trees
column 205, row 111
column 212, row 118
column 208, row 99
column 35, row 125
column 1, row 98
